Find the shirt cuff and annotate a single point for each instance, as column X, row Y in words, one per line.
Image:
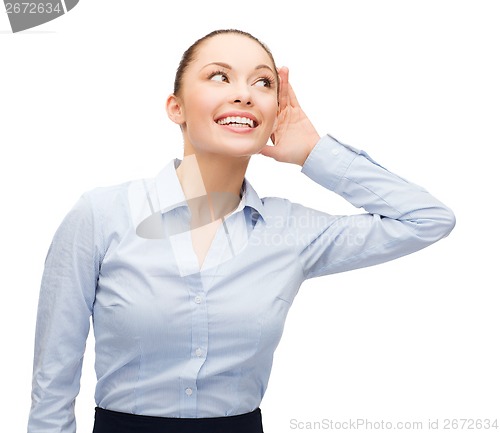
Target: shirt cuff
column 328, row 162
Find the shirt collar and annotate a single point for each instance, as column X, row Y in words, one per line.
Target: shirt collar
column 171, row 195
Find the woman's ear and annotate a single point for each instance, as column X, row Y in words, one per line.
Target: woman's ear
column 175, row 110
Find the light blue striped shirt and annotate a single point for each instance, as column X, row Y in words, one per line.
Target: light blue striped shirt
column 173, row 340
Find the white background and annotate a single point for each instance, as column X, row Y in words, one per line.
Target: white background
column 415, row 84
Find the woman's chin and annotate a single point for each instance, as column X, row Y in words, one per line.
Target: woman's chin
column 242, row 151
column 238, row 149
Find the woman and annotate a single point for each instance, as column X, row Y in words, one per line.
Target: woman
column 189, row 276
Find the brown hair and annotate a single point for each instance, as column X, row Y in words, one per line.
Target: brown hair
column 189, row 54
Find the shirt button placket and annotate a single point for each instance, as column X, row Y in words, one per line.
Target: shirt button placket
column 199, row 315
column 200, row 331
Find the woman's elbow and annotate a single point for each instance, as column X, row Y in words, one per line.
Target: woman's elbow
column 437, row 225
column 448, row 221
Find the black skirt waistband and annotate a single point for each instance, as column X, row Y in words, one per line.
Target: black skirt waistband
column 108, row 421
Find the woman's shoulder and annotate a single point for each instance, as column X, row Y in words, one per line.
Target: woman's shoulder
column 111, row 202
column 104, row 196
column 276, row 208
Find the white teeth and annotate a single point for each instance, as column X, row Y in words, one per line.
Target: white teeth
column 237, row 120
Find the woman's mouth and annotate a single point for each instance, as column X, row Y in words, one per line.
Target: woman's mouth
column 237, row 121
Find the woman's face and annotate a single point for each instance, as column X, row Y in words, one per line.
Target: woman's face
column 228, row 100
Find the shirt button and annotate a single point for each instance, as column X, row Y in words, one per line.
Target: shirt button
column 197, row 299
column 198, row 352
column 189, row 391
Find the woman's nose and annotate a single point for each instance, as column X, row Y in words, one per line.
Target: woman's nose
column 242, row 95
column 243, row 101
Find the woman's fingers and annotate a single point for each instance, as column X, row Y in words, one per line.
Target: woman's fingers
column 283, row 86
column 287, row 94
column 293, row 101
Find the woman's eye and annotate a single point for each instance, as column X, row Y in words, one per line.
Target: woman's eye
column 219, row 77
column 263, row 82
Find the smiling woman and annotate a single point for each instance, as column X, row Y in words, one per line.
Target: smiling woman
column 229, row 76
column 189, row 275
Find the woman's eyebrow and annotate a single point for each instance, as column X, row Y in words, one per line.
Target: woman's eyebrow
column 226, row 66
column 222, row 65
column 265, row 67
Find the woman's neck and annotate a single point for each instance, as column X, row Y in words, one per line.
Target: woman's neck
column 216, row 180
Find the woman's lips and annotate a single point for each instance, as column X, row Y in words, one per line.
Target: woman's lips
column 237, row 117
column 240, row 129
column 244, row 122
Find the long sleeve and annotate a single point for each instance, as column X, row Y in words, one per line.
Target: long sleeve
column 65, row 306
column 401, row 217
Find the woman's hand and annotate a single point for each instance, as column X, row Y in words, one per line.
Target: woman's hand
column 294, row 136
